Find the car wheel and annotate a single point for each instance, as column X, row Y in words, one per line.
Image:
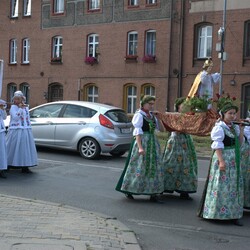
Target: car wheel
column 89, row 148
column 117, row 154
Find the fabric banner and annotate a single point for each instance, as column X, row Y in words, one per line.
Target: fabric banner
column 1, row 77
column 200, row 124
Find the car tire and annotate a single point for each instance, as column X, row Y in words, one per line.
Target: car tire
column 117, row 154
column 89, row 148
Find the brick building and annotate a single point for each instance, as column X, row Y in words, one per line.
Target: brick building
column 112, row 51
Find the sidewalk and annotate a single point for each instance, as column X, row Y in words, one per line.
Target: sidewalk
column 36, row 225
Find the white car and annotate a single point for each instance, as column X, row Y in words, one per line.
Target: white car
column 88, row 127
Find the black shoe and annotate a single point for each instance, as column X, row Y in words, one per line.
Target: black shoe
column 238, row 222
column 3, row 174
column 185, row 196
column 154, row 198
column 26, row 170
column 129, row 196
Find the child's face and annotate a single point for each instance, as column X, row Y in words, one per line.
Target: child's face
column 230, row 115
column 17, row 100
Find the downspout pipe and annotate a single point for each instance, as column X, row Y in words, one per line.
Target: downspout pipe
column 179, row 92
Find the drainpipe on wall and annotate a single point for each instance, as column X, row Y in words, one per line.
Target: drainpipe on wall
column 179, row 93
column 169, row 60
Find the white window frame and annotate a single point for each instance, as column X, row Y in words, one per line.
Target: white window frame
column 204, row 41
column 150, row 42
column 151, row 1
column 14, row 8
column 149, row 90
column 93, row 45
column 26, row 7
column 94, row 4
column 132, row 43
column 58, row 6
column 57, row 47
column 133, row 2
column 131, row 99
column 13, row 51
column 92, row 93
column 25, row 52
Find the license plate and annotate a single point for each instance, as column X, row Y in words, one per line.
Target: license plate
column 126, row 130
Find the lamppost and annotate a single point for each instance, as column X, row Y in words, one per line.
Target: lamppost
column 220, row 47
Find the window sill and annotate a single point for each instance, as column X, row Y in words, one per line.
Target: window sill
column 24, row 64
column 133, row 6
column 94, row 11
column 56, row 61
column 12, row 64
column 149, row 59
column 129, row 58
column 151, row 5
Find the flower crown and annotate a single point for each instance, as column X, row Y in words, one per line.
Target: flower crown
column 222, row 100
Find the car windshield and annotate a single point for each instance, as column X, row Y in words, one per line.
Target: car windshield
column 117, row 116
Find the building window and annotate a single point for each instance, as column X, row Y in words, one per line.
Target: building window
column 93, row 44
column 14, row 8
column 55, row 92
column 13, row 51
column 246, row 99
column 247, row 39
column 25, row 51
column 92, row 93
column 150, row 42
column 204, row 41
column 11, row 89
column 148, row 89
column 25, row 88
column 27, row 7
column 57, row 44
column 133, row 2
column 94, row 4
column 132, row 43
column 58, row 6
column 131, row 97
column 151, row 2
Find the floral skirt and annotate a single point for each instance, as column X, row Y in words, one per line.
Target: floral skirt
column 245, row 166
column 143, row 174
column 224, row 191
column 180, row 164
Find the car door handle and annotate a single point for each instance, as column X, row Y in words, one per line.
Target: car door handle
column 49, row 122
column 82, row 123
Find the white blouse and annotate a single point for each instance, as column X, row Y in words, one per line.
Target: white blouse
column 137, row 122
column 218, row 134
column 19, row 117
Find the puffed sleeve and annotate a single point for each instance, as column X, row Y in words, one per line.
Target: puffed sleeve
column 217, row 136
column 204, row 77
column 137, row 122
column 216, row 77
column 247, row 133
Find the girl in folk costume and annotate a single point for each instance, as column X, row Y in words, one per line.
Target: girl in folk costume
column 245, row 165
column 3, row 154
column 180, row 162
column 143, row 173
column 223, row 193
column 21, row 150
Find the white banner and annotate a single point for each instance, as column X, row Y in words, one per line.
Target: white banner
column 1, row 77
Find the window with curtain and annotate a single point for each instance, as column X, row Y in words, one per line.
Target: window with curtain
column 58, row 6
column 132, row 43
column 133, row 2
column 150, row 42
column 13, row 51
column 94, row 4
column 57, row 43
column 92, row 93
column 204, row 41
column 131, row 97
column 247, row 39
column 25, row 50
column 93, row 44
column 27, row 7
column 151, row 1
column 14, row 8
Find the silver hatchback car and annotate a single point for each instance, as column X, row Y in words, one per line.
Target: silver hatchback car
column 87, row 127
